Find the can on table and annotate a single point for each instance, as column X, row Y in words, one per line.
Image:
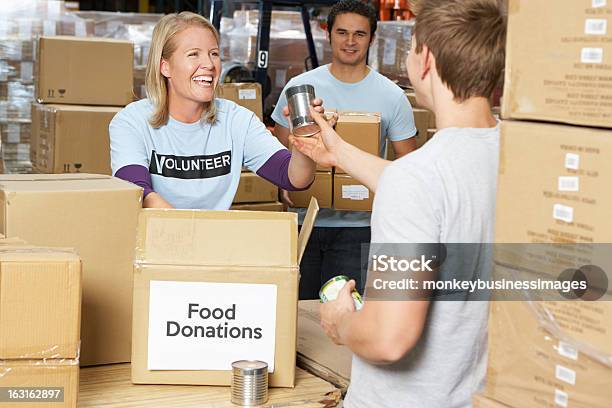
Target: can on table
column 331, row 288
column 299, row 101
column 249, row 385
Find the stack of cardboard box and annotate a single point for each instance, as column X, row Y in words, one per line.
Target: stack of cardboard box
column 21, row 23
column 254, row 193
column 96, row 215
column 333, row 188
column 80, row 85
column 554, row 189
column 40, row 318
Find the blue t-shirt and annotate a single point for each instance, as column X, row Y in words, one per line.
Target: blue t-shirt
column 374, row 93
column 192, row 165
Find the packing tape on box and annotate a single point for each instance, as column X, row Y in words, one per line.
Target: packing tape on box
column 571, row 345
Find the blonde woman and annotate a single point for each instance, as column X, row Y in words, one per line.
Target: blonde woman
column 185, row 147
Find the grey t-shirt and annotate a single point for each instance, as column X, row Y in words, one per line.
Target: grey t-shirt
column 442, row 193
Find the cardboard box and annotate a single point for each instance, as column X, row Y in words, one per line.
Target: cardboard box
column 60, row 377
column 40, row 302
column 97, row 215
column 529, row 367
column 362, row 130
column 84, row 71
column 274, row 206
column 254, row 189
column 480, row 401
column 72, row 139
column 244, row 94
column 351, row 195
column 321, row 189
column 316, row 352
column 540, row 206
column 563, row 74
column 211, row 260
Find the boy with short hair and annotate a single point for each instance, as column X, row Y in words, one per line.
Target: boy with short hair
column 422, row 353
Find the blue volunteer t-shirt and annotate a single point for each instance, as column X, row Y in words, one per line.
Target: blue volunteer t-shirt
column 374, row 93
column 192, row 165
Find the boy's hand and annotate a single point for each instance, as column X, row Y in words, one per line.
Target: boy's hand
column 333, row 312
column 321, row 147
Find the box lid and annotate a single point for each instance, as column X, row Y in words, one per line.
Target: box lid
column 237, row 238
column 23, row 183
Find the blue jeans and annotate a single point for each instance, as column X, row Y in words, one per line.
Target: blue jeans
column 330, row 252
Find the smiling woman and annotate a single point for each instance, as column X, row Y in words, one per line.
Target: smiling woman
column 182, row 145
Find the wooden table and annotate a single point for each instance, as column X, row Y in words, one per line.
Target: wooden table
column 109, row 386
column 316, row 353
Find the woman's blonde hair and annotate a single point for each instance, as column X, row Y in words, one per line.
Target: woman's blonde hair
column 163, row 45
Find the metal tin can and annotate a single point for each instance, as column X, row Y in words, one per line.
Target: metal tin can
column 331, row 288
column 249, row 385
column 299, row 101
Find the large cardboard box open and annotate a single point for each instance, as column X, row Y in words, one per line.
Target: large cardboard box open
column 40, row 302
column 84, row 71
column 72, row 139
column 97, row 215
column 213, row 287
column 530, row 367
column 564, row 73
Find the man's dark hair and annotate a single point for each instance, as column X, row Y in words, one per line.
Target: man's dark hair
column 352, row 6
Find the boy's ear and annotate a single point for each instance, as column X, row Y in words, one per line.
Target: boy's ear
column 426, row 61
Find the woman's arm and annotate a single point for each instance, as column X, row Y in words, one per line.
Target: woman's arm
column 139, row 175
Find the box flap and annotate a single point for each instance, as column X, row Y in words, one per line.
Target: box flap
column 307, row 225
column 201, row 237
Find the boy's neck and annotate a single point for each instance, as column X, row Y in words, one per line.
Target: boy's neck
column 471, row 113
column 349, row 73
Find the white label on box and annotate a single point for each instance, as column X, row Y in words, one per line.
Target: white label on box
column 389, row 52
column 569, row 183
column 596, row 26
column 27, row 68
column 281, row 78
column 247, row 94
column 565, row 374
column 13, row 133
column 561, row 398
column 207, row 326
column 356, row 192
column 80, row 30
column 599, row 3
column 49, row 27
column 23, row 152
column 4, row 69
column 591, row 55
column 563, row 213
column 25, row 28
column 572, row 161
column 53, row 8
column 567, row 350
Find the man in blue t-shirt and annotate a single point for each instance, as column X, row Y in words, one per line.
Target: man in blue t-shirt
column 348, row 84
